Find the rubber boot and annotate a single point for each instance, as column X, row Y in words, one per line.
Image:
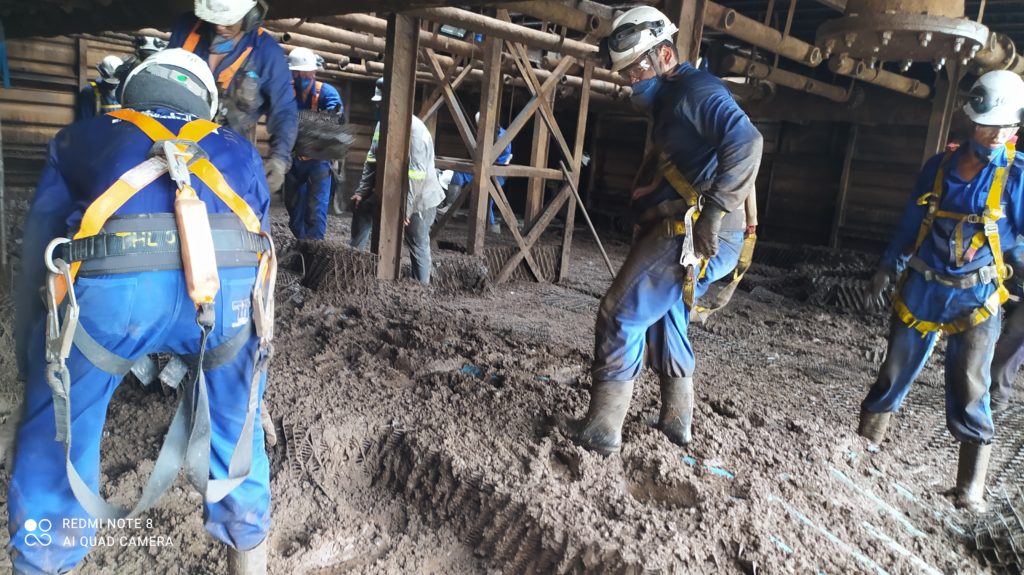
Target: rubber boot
column 450, row 195
column 972, row 468
column 251, row 562
column 676, row 408
column 601, row 429
column 874, row 425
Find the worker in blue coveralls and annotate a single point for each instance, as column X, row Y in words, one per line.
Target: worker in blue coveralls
column 251, row 73
column 948, row 255
column 462, row 179
column 106, row 185
column 710, row 154
column 100, row 95
column 307, row 189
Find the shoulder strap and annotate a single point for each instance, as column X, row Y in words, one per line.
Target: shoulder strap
column 314, row 104
column 192, row 41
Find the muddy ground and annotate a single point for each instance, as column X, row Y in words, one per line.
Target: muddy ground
column 419, row 434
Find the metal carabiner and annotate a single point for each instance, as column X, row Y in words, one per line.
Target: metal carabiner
column 48, row 254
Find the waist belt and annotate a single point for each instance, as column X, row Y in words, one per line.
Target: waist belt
column 985, row 275
column 149, row 242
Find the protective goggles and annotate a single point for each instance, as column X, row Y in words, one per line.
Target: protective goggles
column 628, row 35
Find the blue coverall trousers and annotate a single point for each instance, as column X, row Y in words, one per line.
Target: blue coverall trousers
column 967, row 373
column 307, row 196
column 463, row 179
column 1009, row 356
column 132, row 315
column 643, row 310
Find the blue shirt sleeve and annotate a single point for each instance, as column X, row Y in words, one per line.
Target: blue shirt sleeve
column 86, row 107
column 46, row 219
column 276, row 87
column 900, row 248
column 330, row 100
column 1015, row 197
column 736, row 141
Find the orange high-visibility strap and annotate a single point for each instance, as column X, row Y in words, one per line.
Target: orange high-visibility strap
column 317, row 86
column 228, row 74
column 211, row 176
column 193, row 38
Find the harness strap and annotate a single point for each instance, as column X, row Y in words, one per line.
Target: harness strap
column 989, row 309
column 192, row 40
column 984, row 275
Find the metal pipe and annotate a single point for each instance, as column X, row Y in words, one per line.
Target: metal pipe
column 753, row 32
column 321, row 45
column 999, row 53
column 354, row 39
column 599, row 73
column 563, row 15
column 508, row 31
column 379, row 26
column 841, row 64
column 746, row 67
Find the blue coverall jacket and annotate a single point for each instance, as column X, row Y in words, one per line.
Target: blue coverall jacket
column 130, row 314
column 86, row 106
column 263, row 82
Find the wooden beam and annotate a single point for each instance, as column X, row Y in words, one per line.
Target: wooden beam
column 486, row 130
column 538, row 158
column 844, row 187
column 544, row 109
column 538, row 227
column 689, row 15
column 393, row 148
column 454, row 105
column 577, row 165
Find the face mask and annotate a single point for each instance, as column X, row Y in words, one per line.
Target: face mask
column 644, row 92
column 985, row 153
column 221, row 45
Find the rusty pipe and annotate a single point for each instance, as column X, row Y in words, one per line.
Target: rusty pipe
column 325, row 32
column 507, row 31
column 746, row 67
column 753, row 32
column 842, row 64
column 379, row 27
column 563, row 15
column 321, row 45
column 599, row 73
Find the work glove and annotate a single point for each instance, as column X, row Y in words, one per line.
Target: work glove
column 874, row 293
column 705, row 231
column 275, row 170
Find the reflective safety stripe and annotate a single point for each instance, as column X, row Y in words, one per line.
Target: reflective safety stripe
column 989, row 219
column 370, row 156
column 129, row 184
column 417, row 175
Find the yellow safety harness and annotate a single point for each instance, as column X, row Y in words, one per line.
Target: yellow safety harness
column 102, row 108
column 989, row 218
column 674, row 228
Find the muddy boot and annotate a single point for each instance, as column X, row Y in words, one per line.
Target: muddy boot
column 269, row 431
column 601, row 429
column 874, row 425
column 676, row 408
column 251, row 562
column 970, row 476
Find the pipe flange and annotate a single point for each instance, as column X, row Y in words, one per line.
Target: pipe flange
column 901, row 37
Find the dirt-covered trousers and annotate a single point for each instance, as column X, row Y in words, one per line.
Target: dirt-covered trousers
column 132, row 315
column 307, row 195
column 643, row 310
column 968, row 361
column 1009, row 356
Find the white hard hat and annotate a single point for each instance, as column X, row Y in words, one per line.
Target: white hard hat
column 635, row 32
column 996, row 99
column 107, row 66
column 302, row 60
column 476, row 118
column 176, row 79
column 223, row 12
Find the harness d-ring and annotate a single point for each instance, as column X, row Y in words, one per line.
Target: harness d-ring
column 48, row 254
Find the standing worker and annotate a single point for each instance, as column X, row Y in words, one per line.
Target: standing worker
column 947, row 254
column 307, row 190
column 251, row 71
column 100, row 96
column 171, row 255
column 710, row 154
column 422, row 199
column 1009, row 354
column 461, row 179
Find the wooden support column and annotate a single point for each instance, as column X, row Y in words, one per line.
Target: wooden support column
column 393, row 147
column 844, row 187
column 577, row 165
column 538, row 159
column 486, row 130
column 689, row 16
column 83, row 62
column 943, row 106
